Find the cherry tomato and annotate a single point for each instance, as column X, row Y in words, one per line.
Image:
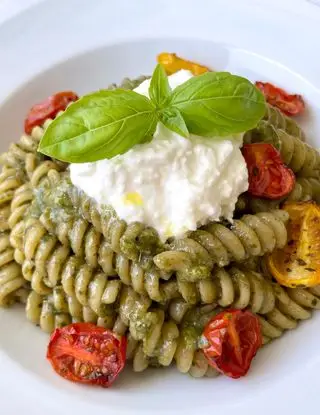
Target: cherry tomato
column 86, row 353
column 234, row 337
column 268, row 176
column 298, row 263
column 48, row 108
column 289, row 104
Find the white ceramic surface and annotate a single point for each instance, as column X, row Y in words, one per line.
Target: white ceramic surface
column 84, row 45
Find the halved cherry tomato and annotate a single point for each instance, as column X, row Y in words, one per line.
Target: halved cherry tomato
column 289, row 104
column 86, row 353
column 173, row 63
column 48, row 108
column 268, row 176
column 298, row 263
column 234, row 337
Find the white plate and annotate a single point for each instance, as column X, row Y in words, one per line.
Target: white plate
column 84, row 45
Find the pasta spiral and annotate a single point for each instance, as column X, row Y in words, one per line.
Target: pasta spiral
column 236, row 287
column 44, row 257
column 159, row 338
column 12, row 284
column 250, row 204
column 292, row 305
column 303, row 159
column 90, row 287
column 19, row 207
column 10, row 180
column 252, row 235
column 306, row 188
column 144, row 280
column 59, row 309
column 278, row 119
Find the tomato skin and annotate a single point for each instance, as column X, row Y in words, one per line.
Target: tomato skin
column 173, row 63
column 289, row 104
column 234, row 337
column 268, row 176
column 86, row 353
column 48, row 108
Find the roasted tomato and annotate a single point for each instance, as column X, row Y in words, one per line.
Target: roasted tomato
column 48, row 108
column 173, row 63
column 86, row 353
column 289, row 104
column 233, row 337
column 298, row 263
column 268, row 176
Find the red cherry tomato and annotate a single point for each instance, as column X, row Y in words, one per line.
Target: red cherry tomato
column 48, row 108
column 268, row 176
column 289, row 104
column 86, row 353
column 234, row 337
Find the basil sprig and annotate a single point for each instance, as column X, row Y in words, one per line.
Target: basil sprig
column 107, row 123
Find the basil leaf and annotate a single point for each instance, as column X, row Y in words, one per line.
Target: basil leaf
column 100, row 125
column 218, row 103
column 173, row 120
column 159, row 89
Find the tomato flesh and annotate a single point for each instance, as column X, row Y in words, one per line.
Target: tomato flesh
column 268, row 176
column 48, row 108
column 233, row 337
column 289, row 104
column 298, row 263
column 86, row 353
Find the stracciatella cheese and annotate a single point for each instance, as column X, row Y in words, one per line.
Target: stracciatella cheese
column 172, row 183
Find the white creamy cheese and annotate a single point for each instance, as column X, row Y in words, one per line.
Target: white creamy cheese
column 172, row 183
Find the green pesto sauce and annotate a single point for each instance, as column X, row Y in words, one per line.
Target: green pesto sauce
column 57, row 202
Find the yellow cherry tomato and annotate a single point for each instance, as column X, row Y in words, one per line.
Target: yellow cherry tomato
column 173, row 63
column 298, row 263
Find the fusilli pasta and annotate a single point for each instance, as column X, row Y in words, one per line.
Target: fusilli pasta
column 276, row 118
column 252, row 235
column 236, row 287
column 12, row 283
column 306, row 188
column 292, row 305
